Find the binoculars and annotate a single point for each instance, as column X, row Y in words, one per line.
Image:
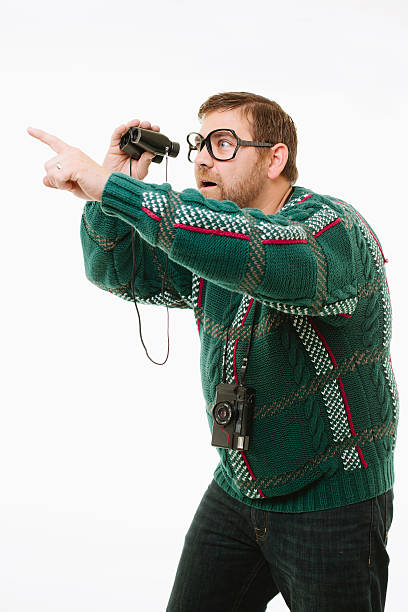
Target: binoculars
column 135, row 141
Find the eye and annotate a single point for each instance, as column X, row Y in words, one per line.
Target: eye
column 224, row 143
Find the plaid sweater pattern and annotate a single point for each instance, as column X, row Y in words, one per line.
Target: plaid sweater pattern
column 326, row 412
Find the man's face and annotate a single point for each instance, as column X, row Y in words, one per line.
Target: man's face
column 241, row 179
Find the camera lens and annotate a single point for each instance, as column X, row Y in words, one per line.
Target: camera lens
column 223, row 413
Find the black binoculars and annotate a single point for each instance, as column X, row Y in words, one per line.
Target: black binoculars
column 135, row 141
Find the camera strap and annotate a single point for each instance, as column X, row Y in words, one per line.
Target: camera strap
column 245, row 359
column 132, row 281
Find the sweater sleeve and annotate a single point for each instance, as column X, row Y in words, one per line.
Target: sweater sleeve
column 107, row 250
column 300, row 261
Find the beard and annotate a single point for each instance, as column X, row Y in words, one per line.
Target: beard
column 243, row 189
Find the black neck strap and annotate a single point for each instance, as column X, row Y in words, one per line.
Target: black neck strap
column 245, row 359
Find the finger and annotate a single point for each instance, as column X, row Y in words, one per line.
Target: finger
column 146, row 158
column 148, row 126
column 52, row 141
column 121, row 129
column 133, row 122
column 143, row 164
column 51, row 163
column 47, row 182
column 117, row 134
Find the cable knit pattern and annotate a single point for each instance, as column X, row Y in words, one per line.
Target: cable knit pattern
column 326, row 411
column 371, row 257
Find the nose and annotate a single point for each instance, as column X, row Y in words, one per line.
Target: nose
column 203, row 158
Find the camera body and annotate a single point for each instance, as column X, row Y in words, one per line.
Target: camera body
column 232, row 414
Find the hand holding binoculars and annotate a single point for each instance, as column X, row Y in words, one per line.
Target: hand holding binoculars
column 135, row 141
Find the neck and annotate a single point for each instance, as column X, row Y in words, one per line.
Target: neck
column 271, row 200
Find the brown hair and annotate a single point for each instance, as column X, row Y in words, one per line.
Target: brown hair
column 269, row 122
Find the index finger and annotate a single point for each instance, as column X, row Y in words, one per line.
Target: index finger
column 55, row 143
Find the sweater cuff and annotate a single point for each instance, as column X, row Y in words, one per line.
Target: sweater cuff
column 121, row 189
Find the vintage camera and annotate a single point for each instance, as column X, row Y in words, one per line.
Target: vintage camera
column 232, row 413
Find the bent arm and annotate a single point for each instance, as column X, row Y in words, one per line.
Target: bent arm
column 301, row 261
column 107, row 251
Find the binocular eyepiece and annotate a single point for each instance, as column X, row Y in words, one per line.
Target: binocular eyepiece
column 135, row 141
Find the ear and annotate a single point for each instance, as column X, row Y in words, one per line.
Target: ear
column 278, row 158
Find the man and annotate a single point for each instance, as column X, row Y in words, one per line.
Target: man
column 305, row 506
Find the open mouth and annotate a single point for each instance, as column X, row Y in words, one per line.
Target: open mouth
column 205, row 184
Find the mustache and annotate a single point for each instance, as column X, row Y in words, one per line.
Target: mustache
column 200, row 176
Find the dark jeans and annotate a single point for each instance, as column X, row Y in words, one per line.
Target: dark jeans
column 237, row 558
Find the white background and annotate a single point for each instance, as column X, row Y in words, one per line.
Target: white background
column 104, row 456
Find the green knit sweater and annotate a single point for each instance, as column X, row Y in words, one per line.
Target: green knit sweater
column 326, row 409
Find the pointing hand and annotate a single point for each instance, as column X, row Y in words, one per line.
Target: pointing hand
column 71, row 169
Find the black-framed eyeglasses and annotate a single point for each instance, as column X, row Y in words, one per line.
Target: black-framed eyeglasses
column 222, row 144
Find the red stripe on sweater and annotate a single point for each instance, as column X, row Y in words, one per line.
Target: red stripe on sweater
column 282, row 241
column 151, row 214
column 347, row 407
column 204, row 230
column 252, row 474
column 200, row 291
column 248, row 309
column 247, row 464
column 323, row 339
column 343, row 393
column 326, row 227
column 360, row 453
column 306, row 198
column 371, row 232
column 234, row 362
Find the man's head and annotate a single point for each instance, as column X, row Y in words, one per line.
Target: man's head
column 254, row 173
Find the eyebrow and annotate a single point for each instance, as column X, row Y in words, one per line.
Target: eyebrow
column 215, row 130
column 222, row 130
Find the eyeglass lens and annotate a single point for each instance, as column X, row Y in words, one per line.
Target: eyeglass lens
column 222, row 142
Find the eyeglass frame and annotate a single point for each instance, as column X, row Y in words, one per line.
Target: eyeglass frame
column 207, row 142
